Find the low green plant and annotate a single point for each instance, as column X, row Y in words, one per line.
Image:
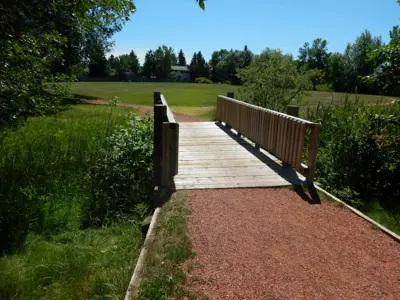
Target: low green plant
column 359, row 152
column 121, row 176
column 202, row 80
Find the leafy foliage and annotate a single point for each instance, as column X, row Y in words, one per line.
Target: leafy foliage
column 315, row 59
column 198, row 66
column 359, row 151
column 203, row 80
column 225, row 64
column 273, row 81
column 158, row 63
column 39, row 40
column 122, row 175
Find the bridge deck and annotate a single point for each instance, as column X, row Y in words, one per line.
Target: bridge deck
column 211, row 156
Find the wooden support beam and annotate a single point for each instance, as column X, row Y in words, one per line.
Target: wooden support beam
column 174, row 148
column 165, row 160
column 157, row 98
column 292, row 110
column 312, row 151
column 160, row 114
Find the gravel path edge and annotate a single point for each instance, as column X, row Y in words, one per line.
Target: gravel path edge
column 140, row 264
column 387, row 231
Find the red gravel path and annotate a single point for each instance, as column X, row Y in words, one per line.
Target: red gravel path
column 178, row 116
column 271, row 244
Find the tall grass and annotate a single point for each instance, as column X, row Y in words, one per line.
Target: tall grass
column 44, row 184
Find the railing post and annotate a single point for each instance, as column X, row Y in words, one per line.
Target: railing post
column 174, row 148
column 165, row 159
column 292, row 110
column 312, row 151
column 157, row 98
column 160, row 114
column 229, row 95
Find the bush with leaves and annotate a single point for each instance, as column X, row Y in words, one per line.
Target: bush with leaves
column 122, row 175
column 273, row 81
column 359, row 151
column 202, row 80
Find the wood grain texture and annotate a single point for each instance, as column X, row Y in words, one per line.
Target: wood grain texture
column 223, row 159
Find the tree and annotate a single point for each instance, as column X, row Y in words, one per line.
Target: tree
column 228, row 66
column 216, row 57
column 134, row 64
column 395, row 35
column 273, row 81
column 386, row 77
column 181, row 58
column 336, row 72
column 158, row 63
column 149, row 66
column 98, row 64
column 41, row 39
column 315, row 58
column 165, row 57
column 198, row 66
column 357, row 64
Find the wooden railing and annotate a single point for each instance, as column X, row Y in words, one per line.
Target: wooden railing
column 280, row 134
column 166, row 142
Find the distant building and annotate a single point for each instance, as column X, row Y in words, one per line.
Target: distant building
column 180, row 73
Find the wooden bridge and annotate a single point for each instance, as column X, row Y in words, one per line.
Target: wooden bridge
column 248, row 146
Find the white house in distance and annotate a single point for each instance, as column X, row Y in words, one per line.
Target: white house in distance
column 180, row 73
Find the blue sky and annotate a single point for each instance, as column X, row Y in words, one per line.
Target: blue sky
column 259, row 24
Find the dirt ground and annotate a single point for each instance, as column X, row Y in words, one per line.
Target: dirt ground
column 272, row 244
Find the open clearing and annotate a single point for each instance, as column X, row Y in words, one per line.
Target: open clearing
column 194, row 99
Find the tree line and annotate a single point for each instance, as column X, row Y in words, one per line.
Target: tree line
column 339, row 72
column 46, row 44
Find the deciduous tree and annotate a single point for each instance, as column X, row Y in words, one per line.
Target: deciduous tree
column 273, row 81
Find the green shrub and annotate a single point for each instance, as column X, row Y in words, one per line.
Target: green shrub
column 202, row 80
column 359, row 152
column 122, row 175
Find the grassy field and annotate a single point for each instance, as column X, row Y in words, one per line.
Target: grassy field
column 44, row 187
column 190, row 98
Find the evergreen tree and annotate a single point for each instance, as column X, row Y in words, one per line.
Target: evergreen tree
column 181, row 58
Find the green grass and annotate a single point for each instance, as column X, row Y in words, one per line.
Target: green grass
column 141, row 93
column 316, row 97
column 44, row 185
column 164, row 276
column 185, row 94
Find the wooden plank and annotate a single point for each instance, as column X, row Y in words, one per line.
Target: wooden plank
column 165, row 169
column 291, row 137
column 160, row 112
column 235, row 185
column 174, row 145
column 300, row 146
column 222, row 163
column 312, row 151
column 296, row 137
column 263, row 179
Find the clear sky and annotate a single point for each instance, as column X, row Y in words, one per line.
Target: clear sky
column 283, row 24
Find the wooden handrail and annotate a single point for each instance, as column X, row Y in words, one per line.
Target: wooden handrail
column 166, row 142
column 280, row 134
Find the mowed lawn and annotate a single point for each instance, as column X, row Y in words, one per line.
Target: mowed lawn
column 190, row 98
